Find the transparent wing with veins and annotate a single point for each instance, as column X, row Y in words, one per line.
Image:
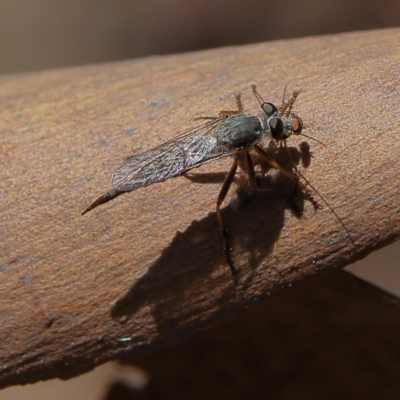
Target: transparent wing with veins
column 190, row 149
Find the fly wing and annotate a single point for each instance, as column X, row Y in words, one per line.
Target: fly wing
column 189, row 150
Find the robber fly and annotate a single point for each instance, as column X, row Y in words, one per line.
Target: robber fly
column 232, row 133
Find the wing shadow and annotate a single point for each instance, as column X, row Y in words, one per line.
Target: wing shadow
column 175, row 280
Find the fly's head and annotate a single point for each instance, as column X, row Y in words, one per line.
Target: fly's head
column 292, row 125
column 277, row 125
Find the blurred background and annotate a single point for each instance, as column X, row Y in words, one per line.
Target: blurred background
column 45, row 34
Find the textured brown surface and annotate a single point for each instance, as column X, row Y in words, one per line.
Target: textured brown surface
column 332, row 339
column 72, row 286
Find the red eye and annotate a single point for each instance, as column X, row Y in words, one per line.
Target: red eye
column 297, row 124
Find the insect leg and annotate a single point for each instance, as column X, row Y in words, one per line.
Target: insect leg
column 257, row 95
column 252, row 175
column 208, row 118
column 289, row 105
column 227, row 113
column 239, row 103
column 106, row 197
column 239, row 106
column 221, row 196
column 267, row 158
column 283, row 97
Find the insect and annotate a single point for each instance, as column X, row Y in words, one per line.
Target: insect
column 232, row 133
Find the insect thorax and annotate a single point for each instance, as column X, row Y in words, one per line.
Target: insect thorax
column 239, row 131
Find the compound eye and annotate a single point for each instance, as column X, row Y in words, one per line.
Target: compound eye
column 297, row 124
column 269, row 109
column 276, row 125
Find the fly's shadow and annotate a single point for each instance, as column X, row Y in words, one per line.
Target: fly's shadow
column 176, row 281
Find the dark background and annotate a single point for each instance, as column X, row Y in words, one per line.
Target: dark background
column 42, row 34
